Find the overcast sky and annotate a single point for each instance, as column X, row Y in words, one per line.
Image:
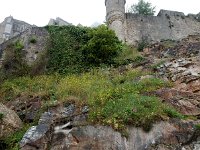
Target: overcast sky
column 86, row 12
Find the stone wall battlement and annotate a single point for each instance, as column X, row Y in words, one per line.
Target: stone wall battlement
column 132, row 28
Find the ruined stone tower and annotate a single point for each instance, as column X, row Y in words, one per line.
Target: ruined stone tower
column 11, row 27
column 115, row 16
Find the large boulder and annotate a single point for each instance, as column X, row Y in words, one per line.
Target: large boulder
column 10, row 122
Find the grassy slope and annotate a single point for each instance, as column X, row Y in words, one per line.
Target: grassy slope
column 114, row 99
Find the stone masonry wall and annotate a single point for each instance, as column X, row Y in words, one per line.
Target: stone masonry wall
column 133, row 28
column 167, row 25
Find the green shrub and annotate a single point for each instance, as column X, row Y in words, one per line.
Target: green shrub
column 18, row 46
column 33, row 40
column 77, row 49
column 102, row 47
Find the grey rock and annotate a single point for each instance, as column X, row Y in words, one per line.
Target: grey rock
column 10, row 121
column 34, row 133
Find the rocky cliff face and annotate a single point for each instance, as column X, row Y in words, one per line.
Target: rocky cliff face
column 61, row 128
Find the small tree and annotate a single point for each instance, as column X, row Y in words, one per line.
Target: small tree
column 102, row 47
column 142, row 7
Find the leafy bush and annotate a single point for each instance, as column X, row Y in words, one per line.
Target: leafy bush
column 102, row 47
column 77, row 49
column 18, row 46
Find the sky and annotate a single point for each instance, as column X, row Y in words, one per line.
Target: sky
column 85, row 12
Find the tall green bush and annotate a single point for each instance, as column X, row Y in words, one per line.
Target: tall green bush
column 77, row 49
column 102, row 47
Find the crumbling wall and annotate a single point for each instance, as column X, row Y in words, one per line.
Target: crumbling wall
column 31, row 50
column 166, row 25
column 11, row 27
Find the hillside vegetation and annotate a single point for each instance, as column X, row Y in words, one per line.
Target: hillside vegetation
column 82, row 69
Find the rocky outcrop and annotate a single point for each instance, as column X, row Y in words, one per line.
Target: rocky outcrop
column 9, row 121
column 27, row 107
column 66, row 128
column 40, row 136
column 186, row 102
column 185, row 73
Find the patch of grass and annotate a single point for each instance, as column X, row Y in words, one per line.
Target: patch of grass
column 142, row 44
column 172, row 113
column 197, row 126
column 18, row 45
column 33, row 40
column 127, row 56
column 169, row 43
column 128, row 109
column 13, row 140
column 155, row 66
column 1, row 116
column 139, row 59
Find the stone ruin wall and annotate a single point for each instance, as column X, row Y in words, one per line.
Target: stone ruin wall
column 11, row 27
column 166, row 25
column 132, row 28
column 31, row 50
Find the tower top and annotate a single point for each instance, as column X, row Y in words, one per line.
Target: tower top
column 117, row 0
